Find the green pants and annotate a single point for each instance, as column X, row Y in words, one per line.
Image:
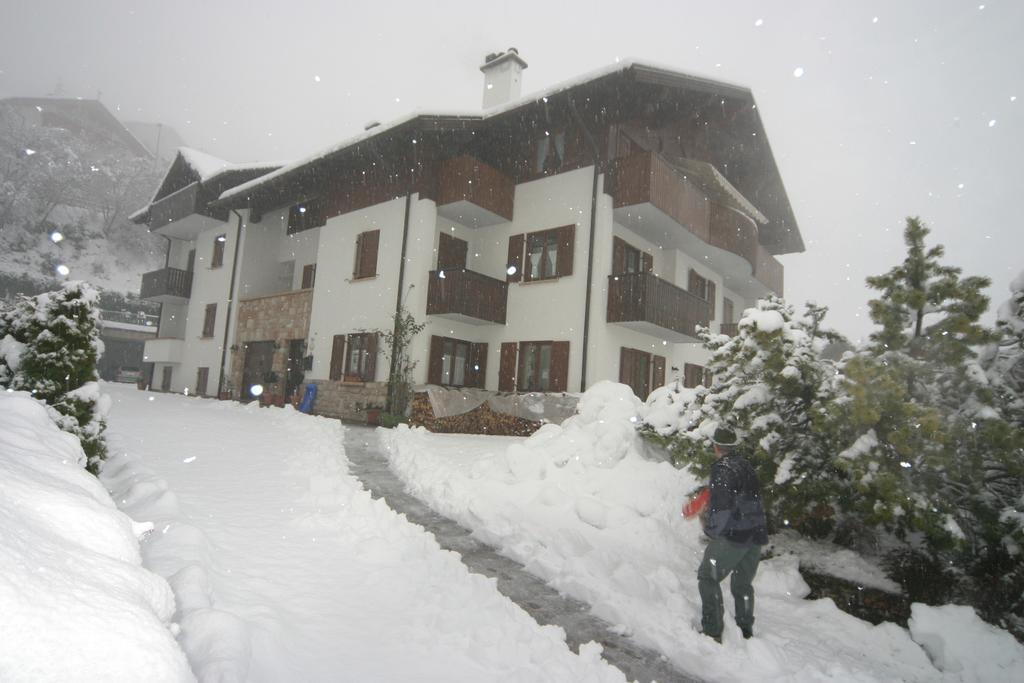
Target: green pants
column 722, row 558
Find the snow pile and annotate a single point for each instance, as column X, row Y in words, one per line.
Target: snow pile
column 286, row 569
column 960, row 643
column 605, row 527
column 76, row 603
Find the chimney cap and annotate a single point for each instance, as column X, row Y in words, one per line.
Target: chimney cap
column 496, row 58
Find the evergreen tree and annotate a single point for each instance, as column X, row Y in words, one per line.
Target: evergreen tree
column 929, row 449
column 57, row 336
column 1003, row 361
column 771, row 385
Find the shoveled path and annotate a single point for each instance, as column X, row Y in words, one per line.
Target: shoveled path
column 542, row 602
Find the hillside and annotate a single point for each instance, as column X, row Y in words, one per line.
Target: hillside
column 70, row 175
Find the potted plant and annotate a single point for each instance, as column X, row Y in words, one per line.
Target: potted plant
column 373, row 412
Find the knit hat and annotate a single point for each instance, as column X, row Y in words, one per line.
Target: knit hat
column 724, row 437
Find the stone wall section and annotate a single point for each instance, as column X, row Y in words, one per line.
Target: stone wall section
column 348, row 400
column 278, row 318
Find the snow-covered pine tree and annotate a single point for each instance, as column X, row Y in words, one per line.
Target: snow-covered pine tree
column 773, row 386
column 56, row 335
column 933, row 457
column 1003, row 361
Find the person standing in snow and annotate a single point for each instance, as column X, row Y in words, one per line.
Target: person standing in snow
column 735, row 523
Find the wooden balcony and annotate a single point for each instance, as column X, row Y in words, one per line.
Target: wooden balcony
column 474, row 194
column 654, row 306
column 167, row 285
column 184, row 214
column 467, row 296
column 697, row 212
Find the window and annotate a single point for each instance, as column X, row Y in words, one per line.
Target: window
column 202, row 379
column 306, row 216
column 628, row 259
column 727, row 310
column 550, row 152
column 308, row 276
column 366, row 254
column 209, row 320
column 695, row 375
column 642, row 371
column 534, row 366
column 218, row 251
column 361, row 357
column 456, row 362
column 705, row 289
column 549, row 254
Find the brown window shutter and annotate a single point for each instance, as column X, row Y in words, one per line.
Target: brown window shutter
column 359, row 256
column 210, row 320
column 366, row 253
column 516, row 243
column 625, row 365
column 657, row 372
column 338, row 357
column 566, row 237
column 308, row 276
column 202, row 378
column 646, row 262
column 436, row 362
column 507, row 367
column 693, row 375
column 451, row 252
column 477, row 369
column 371, row 357
column 618, row 256
column 218, row 251
column 711, row 299
column 559, row 365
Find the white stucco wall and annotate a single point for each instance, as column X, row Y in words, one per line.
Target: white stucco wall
column 342, row 305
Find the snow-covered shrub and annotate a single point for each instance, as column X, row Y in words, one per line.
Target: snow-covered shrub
column 771, row 385
column 49, row 345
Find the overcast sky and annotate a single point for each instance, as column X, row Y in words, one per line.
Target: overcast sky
column 875, row 110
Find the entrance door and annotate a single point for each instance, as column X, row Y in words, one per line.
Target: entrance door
column 165, row 379
column 259, row 358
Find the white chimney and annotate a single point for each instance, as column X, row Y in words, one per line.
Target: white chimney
column 503, row 77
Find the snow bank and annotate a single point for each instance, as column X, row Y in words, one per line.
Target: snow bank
column 580, row 507
column 960, row 643
column 76, row 603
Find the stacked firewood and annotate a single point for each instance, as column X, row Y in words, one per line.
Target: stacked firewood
column 480, row 420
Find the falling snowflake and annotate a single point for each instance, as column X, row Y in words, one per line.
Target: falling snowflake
column 798, row 72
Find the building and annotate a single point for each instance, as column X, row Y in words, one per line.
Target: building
column 549, row 242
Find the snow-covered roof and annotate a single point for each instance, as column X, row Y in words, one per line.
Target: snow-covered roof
column 576, row 81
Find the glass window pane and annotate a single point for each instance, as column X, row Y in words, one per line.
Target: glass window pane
column 459, row 369
column 545, row 367
column 551, row 265
column 530, row 367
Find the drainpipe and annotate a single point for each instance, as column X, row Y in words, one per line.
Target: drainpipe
column 595, row 152
column 393, row 368
column 227, row 314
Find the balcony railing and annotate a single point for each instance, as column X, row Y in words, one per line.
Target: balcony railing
column 646, row 298
column 181, row 204
column 649, row 179
column 167, row 285
column 470, row 187
column 467, row 293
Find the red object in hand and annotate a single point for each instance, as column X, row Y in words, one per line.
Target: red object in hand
column 696, row 503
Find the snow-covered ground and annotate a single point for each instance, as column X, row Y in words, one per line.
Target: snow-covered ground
column 75, row 602
column 283, row 568
column 579, row 506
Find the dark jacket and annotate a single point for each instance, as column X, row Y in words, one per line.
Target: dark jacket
column 735, row 511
